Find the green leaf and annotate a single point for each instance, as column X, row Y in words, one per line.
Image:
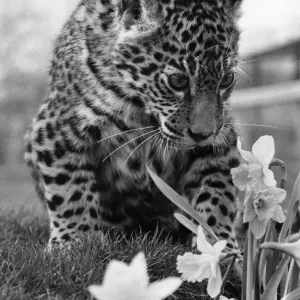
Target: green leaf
column 294, row 280
column 273, row 284
column 269, row 267
column 273, row 263
column 257, row 275
column 245, row 267
column 265, row 252
column 180, row 202
column 295, row 295
column 250, row 261
column 291, row 210
column 186, row 222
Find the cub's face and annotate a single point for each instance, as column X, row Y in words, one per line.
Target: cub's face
column 183, row 68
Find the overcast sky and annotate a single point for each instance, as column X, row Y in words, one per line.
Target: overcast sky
column 264, row 22
column 269, row 22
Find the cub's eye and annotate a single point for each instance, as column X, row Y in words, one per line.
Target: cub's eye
column 178, row 81
column 227, row 80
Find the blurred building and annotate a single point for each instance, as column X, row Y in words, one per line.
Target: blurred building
column 274, row 66
column 268, row 94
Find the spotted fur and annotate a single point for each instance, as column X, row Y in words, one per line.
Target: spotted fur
column 166, row 66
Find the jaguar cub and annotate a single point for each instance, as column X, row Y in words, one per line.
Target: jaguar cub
column 136, row 82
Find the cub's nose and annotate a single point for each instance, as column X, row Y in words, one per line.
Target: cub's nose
column 198, row 137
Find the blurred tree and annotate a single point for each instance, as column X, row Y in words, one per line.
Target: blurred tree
column 27, row 32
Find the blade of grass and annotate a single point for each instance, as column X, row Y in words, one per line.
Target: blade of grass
column 294, row 279
column 186, row 222
column 180, row 202
column 287, row 282
column 274, row 282
column 293, row 296
column 296, row 207
column 284, row 283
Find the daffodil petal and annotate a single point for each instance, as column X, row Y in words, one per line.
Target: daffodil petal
column 163, row 288
column 97, row 292
column 265, row 206
column 123, row 282
column 219, row 247
column 115, row 269
column 193, row 267
column 264, row 149
column 280, row 194
column 240, row 177
column 214, row 284
column 268, row 178
column 247, row 195
column 246, row 155
column 139, row 266
column 258, row 227
column 115, row 292
column 214, row 264
column 202, row 244
column 255, row 170
column 249, row 212
column 279, row 215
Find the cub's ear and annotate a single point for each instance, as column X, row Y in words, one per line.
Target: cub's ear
column 142, row 13
column 128, row 11
column 233, row 6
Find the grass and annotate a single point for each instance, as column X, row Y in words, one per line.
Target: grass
column 26, row 272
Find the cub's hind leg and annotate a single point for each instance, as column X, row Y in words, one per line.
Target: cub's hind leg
column 67, row 182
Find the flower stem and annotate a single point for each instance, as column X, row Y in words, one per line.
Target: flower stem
column 226, row 276
column 294, row 283
column 245, row 267
column 287, row 283
column 264, row 254
column 257, row 275
column 249, row 266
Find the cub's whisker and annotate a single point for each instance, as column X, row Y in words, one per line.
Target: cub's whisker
column 160, row 146
column 128, row 143
column 166, row 149
column 111, row 136
column 224, row 140
column 156, row 134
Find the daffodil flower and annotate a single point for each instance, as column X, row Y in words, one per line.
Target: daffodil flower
column 225, row 298
column 255, row 175
column 198, row 267
column 263, row 207
column 131, row 282
column 292, row 249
